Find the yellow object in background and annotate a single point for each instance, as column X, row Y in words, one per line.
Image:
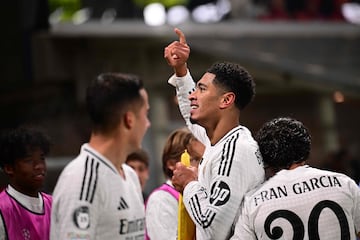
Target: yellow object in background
column 185, row 158
column 186, row 227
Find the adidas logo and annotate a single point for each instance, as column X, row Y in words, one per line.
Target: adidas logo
column 122, row 204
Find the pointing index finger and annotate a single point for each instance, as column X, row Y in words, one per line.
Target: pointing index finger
column 181, row 35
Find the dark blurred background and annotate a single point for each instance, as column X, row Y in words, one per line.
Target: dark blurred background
column 303, row 54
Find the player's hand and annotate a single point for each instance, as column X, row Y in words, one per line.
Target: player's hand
column 182, row 175
column 177, row 54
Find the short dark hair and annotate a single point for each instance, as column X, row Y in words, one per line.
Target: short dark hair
column 235, row 78
column 19, row 142
column 109, row 96
column 139, row 155
column 283, row 141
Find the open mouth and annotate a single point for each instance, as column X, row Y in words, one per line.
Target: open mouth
column 193, row 108
column 39, row 177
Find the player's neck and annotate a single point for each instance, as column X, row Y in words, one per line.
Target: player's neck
column 110, row 149
column 295, row 165
column 224, row 126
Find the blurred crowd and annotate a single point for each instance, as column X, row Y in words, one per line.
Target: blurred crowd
column 198, row 10
column 343, row 161
column 301, row 9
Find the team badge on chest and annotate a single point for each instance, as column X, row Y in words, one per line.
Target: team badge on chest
column 81, row 217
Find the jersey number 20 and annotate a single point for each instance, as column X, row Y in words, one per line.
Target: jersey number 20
column 313, row 226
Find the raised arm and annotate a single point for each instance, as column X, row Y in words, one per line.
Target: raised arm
column 176, row 54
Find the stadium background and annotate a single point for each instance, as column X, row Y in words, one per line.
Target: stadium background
column 306, row 66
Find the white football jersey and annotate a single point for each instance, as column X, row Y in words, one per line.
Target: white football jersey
column 303, row 203
column 92, row 200
column 229, row 169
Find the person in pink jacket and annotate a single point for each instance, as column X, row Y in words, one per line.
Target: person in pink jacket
column 24, row 210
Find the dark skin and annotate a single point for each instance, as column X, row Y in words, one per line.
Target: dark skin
column 27, row 174
column 212, row 108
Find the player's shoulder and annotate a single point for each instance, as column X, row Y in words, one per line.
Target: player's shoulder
column 243, row 137
column 158, row 194
column 84, row 169
column 46, row 196
column 3, row 197
column 3, row 193
column 73, row 168
column 87, row 161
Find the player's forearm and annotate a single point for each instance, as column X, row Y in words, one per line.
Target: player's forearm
column 184, row 85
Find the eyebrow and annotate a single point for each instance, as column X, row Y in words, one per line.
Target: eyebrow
column 201, row 84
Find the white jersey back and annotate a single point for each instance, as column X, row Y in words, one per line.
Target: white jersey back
column 92, row 201
column 303, row 203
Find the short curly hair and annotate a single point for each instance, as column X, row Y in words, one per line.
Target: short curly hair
column 283, row 141
column 235, row 78
column 17, row 143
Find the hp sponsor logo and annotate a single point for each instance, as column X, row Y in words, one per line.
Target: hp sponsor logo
column 220, row 193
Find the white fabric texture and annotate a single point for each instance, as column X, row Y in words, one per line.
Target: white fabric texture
column 298, row 199
column 229, row 169
column 162, row 215
column 92, row 200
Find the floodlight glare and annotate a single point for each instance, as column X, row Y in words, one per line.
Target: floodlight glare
column 155, row 14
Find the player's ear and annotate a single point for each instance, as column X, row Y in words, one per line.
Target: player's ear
column 9, row 169
column 129, row 119
column 227, row 99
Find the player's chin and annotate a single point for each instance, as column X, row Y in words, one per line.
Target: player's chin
column 37, row 184
column 193, row 120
